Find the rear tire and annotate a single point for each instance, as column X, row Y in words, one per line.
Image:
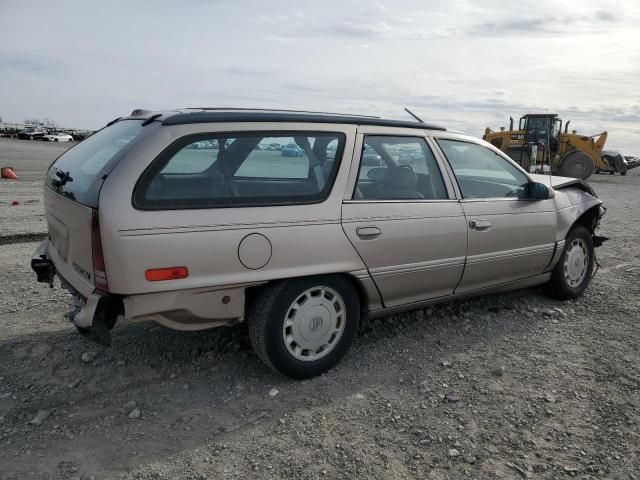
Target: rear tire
column 303, row 327
column 572, row 274
column 577, row 165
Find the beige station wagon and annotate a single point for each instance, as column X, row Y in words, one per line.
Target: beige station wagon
column 299, row 224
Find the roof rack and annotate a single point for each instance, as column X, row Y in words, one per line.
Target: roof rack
column 226, row 116
column 242, row 109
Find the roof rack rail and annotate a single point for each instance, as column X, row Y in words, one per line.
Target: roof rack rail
column 246, row 109
column 227, row 116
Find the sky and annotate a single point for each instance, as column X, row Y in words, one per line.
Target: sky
column 461, row 64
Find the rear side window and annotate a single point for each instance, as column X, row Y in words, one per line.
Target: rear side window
column 225, row 170
column 398, row 168
column 79, row 172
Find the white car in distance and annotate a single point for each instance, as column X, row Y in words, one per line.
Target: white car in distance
column 59, row 137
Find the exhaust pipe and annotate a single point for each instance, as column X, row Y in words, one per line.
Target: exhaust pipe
column 566, row 126
column 511, row 123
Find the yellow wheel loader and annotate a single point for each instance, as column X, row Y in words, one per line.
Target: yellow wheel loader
column 541, row 146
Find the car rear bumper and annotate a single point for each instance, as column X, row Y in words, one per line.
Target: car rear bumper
column 97, row 311
column 85, row 305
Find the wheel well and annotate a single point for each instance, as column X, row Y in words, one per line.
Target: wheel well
column 251, row 293
column 589, row 219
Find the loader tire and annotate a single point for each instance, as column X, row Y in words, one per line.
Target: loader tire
column 576, row 165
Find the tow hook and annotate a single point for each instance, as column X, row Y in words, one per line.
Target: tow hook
column 45, row 271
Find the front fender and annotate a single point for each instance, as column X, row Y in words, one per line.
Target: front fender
column 573, row 203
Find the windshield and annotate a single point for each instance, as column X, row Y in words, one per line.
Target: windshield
column 80, row 171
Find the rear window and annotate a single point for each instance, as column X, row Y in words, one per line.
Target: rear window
column 224, row 170
column 79, row 172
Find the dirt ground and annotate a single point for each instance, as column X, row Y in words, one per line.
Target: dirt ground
column 31, row 160
column 506, row 386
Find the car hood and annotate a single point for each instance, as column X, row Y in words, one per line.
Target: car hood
column 558, row 183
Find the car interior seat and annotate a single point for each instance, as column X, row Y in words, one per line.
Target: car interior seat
column 398, row 183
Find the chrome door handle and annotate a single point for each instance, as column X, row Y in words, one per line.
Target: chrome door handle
column 368, row 233
column 480, row 224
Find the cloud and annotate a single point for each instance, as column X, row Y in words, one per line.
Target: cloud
column 347, row 28
column 30, row 64
column 550, row 24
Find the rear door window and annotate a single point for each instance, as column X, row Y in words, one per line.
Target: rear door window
column 397, row 168
column 262, row 168
column 79, row 172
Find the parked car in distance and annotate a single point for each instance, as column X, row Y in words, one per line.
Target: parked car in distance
column 32, row 133
column 371, row 158
column 141, row 226
column 58, row 137
column 291, row 150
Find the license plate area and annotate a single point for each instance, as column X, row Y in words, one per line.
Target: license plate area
column 58, row 237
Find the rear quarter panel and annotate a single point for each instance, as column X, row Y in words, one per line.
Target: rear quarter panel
column 305, row 239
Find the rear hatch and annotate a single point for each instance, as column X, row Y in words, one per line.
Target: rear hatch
column 71, row 203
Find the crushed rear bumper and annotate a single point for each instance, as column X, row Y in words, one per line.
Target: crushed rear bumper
column 94, row 314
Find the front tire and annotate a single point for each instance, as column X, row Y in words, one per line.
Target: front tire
column 572, row 274
column 303, row 327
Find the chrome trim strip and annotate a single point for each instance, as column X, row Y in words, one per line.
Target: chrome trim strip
column 508, row 254
column 223, row 226
column 415, row 200
column 396, row 217
column 417, row 267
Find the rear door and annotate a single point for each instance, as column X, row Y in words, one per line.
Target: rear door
column 403, row 219
column 511, row 236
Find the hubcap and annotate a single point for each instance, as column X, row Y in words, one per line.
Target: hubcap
column 576, row 262
column 314, row 323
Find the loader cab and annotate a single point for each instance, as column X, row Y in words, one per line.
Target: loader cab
column 543, row 128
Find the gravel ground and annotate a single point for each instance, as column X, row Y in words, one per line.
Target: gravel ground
column 506, row 386
column 30, row 160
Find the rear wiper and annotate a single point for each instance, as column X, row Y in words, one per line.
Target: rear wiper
column 63, row 178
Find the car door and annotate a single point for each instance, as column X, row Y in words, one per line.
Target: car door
column 511, row 235
column 402, row 217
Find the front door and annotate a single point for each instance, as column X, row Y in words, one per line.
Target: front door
column 511, row 236
column 403, row 219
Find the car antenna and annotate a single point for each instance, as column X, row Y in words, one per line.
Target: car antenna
column 549, row 157
column 413, row 115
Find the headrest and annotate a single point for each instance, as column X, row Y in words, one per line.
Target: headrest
column 402, row 176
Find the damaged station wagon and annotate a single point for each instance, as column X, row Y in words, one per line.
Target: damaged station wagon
column 205, row 217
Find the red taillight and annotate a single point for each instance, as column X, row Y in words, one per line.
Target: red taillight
column 171, row 273
column 99, row 269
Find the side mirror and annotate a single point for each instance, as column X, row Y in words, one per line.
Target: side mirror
column 539, row 191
